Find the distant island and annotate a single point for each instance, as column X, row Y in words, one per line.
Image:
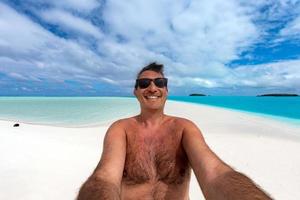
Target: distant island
column 278, row 95
column 196, row 94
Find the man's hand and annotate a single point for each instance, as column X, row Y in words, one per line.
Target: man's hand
column 105, row 182
column 217, row 180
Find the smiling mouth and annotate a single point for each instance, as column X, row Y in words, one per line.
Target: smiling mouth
column 152, row 97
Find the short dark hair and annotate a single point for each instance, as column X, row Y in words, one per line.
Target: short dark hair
column 159, row 68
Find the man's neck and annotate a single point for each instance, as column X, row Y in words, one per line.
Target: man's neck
column 151, row 117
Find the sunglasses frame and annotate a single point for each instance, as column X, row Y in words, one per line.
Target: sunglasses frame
column 137, row 82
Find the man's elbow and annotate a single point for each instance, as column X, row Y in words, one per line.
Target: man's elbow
column 219, row 170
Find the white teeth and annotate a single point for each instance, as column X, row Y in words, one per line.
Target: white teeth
column 152, row 97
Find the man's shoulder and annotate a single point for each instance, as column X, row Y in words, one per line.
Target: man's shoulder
column 124, row 121
column 180, row 120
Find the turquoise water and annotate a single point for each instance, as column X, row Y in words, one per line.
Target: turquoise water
column 286, row 107
column 83, row 111
column 66, row 111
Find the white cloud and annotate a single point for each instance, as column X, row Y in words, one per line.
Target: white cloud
column 195, row 40
column 79, row 5
column 38, row 54
column 203, row 36
column 272, row 15
column 292, row 29
column 76, row 5
column 70, row 22
column 282, row 74
column 26, row 89
column 201, row 82
column 109, row 81
column 17, row 76
column 273, row 9
column 19, row 33
column 278, row 74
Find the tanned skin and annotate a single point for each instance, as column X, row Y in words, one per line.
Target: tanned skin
column 150, row 156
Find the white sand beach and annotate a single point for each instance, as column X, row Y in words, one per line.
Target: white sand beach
column 43, row 162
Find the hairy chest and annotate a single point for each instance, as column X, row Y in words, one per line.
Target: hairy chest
column 155, row 157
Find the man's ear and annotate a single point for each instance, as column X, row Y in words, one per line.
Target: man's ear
column 134, row 92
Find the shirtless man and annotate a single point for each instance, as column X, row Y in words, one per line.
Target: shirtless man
column 150, row 156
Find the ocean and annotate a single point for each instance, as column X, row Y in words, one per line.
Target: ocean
column 86, row 111
column 287, row 108
column 67, row 111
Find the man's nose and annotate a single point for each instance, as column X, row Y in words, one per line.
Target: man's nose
column 152, row 87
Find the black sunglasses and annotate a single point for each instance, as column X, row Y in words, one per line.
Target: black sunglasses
column 145, row 82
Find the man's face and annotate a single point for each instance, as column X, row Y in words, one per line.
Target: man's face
column 151, row 97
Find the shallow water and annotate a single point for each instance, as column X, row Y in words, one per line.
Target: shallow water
column 85, row 111
column 67, row 111
column 287, row 107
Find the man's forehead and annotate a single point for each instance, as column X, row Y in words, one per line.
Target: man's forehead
column 150, row 74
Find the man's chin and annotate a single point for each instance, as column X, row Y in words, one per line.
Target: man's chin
column 153, row 107
column 152, row 104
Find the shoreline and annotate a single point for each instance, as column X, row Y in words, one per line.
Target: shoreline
column 275, row 118
column 101, row 124
column 294, row 121
column 47, row 162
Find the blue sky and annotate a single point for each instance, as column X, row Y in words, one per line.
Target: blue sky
column 95, row 48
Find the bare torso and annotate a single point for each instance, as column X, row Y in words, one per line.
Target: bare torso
column 156, row 165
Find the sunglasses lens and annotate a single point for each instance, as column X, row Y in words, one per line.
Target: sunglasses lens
column 160, row 82
column 144, row 83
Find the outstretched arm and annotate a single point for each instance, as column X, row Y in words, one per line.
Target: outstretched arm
column 105, row 182
column 217, row 180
